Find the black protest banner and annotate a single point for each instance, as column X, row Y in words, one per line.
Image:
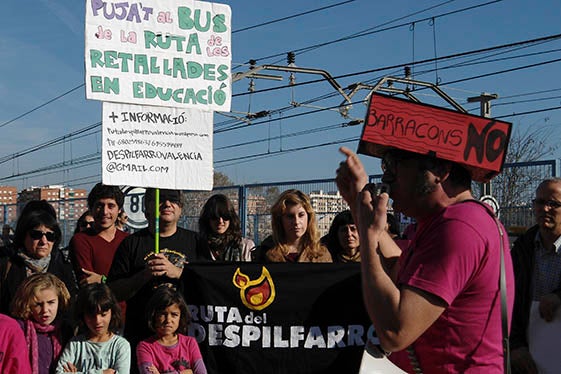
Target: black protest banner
column 278, row 318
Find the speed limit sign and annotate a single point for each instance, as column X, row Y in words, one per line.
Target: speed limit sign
column 134, row 207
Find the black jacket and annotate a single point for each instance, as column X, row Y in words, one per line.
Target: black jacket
column 523, row 260
column 16, row 273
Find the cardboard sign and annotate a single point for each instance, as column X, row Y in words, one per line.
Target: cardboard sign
column 161, row 53
column 477, row 143
column 159, row 147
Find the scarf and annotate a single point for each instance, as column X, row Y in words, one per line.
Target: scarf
column 35, row 265
column 222, row 249
column 31, row 329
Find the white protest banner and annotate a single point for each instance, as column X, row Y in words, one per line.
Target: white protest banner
column 161, row 53
column 147, row 146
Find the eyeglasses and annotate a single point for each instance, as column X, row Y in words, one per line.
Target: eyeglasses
column 551, row 204
column 38, row 234
column 87, row 224
column 392, row 158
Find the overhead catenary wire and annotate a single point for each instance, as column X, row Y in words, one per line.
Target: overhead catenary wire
column 293, row 16
column 375, row 30
column 297, row 115
column 235, row 31
column 402, row 65
column 94, row 158
column 255, row 26
column 552, row 37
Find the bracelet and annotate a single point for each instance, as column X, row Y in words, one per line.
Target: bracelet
column 103, row 279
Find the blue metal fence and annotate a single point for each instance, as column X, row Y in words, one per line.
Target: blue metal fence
column 513, row 189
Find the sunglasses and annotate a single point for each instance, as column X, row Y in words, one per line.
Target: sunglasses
column 38, row 234
column 87, row 224
column 225, row 217
column 551, row 204
column 173, row 199
column 392, row 158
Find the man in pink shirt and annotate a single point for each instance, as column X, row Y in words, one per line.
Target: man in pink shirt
column 437, row 305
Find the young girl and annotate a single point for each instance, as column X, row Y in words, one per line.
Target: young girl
column 37, row 303
column 169, row 351
column 98, row 348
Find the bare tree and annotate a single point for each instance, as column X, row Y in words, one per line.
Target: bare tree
column 514, row 187
column 531, row 144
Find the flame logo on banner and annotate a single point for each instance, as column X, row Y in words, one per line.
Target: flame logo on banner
column 255, row 294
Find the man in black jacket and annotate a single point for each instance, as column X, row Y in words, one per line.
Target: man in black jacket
column 537, row 268
column 137, row 270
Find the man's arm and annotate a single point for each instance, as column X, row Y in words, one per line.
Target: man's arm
column 80, row 255
column 351, row 180
column 399, row 315
column 125, row 284
column 123, row 279
column 126, row 288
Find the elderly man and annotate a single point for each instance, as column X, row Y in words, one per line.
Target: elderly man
column 137, row 270
column 439, row 306
column 536, row 258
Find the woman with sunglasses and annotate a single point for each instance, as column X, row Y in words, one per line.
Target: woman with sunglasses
column 85, row 222
column 36, row 243
column 220, row 230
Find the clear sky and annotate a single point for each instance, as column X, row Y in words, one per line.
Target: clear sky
column 42, row 44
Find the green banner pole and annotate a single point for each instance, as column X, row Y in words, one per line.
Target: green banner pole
column 157, row 223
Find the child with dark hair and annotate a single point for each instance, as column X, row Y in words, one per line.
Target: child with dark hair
column 98, row 347
column 169, row 350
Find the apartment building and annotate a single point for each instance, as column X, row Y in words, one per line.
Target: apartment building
column 69, row 203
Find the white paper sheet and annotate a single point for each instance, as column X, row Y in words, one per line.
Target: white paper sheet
column 374, row 362
column 544, row 339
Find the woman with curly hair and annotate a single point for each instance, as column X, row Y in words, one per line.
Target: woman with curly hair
column 219, row 227
column 295, row 234
column 37, row 306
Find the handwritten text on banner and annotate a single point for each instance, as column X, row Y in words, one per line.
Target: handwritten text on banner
column 161, row 53
column 160, row 147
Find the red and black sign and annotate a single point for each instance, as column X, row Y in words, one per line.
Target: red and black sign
column 477, row 143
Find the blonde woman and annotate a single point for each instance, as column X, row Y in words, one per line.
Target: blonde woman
column 295, row 234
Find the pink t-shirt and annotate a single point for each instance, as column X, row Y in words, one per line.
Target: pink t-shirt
column 173, row 359
column 14, row 354
column 456, row 256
